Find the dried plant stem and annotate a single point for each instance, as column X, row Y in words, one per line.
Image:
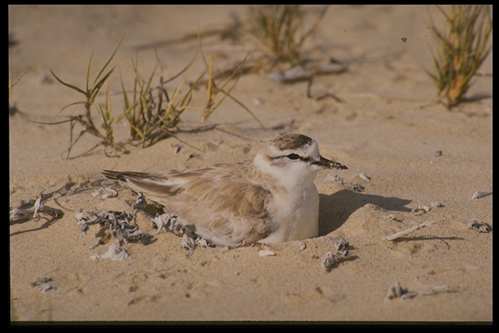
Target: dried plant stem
column 408, row 230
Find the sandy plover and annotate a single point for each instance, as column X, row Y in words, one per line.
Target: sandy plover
column 270, row 199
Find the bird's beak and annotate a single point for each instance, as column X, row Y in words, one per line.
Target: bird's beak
column 328, row 164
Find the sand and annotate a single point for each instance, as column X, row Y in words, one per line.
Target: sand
column 383, row 124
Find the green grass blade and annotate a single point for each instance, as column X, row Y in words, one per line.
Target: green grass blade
column 68, row 85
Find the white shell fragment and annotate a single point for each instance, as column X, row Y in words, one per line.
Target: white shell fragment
column 396, row 291
column 266, row 252
column 113, row 253
column 351, row 186
column 37, row 208
column 44, row 284
column 164, row 220
column 334, row 178
column 423, row 209
column 140, row 203
column 188, row 242
column 476, row 225
column 32, row 209
column 302, row 72
column 364, row 176
column 436, row 204
column 479, row 195
column 105, row 192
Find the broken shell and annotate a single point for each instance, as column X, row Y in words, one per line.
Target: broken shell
column 46, row 287
column 418, row 208
column 364, row 176
column 188, row 243
column 38, row 207
column 357, row 187
column 395, row 291
column 479, row 195
column 266, row 252
column 105, row 192
column 140, row 203
column 113, row 253
column 334, row 178
column 164, row 220
column 436, row 204
column 40, row 281
column 437, row 153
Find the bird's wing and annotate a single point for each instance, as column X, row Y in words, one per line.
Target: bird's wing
column 222, row 205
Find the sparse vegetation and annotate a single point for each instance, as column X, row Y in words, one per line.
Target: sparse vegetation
column 12, row 106
column 90, row 92
column 461, row 48
column 150, row 111
column 280, row 28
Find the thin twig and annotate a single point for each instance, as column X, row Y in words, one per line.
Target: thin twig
column 408, row 230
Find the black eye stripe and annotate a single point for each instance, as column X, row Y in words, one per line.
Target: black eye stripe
column 294, row 157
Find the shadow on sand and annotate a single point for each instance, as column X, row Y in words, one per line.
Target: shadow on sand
column 336, row 208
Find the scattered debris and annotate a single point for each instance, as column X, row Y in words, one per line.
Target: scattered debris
column 476, row 225
column 479, row 195
column 437, row 153
column 177, row 148
column 341, row 244
column 302, row 72
column 423, row 209
column 303, row 246
column 44, row 284
column 266, row 252
column 357, row 187
column 394, row 218
column 334, row 178
column 330, row 259
column 408, row 231
column 105, row 192
column 396, row 291
column 351, row 186
column 436, row 204
column 113, row 225
column 364, row 176
column 164, row 220
column 139, row 204
column 32, row 209
column 113, row 253
column 257, row 101
column 188, row 241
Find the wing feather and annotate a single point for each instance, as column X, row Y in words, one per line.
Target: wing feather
column 220, row 203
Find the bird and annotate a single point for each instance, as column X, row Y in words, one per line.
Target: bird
column 269, row 199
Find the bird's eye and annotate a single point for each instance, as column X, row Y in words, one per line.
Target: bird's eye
column 293, row 156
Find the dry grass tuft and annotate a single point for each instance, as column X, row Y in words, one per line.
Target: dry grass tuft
column 280, row 29
column 90, row 92
column 461, row 48
column 150, row 111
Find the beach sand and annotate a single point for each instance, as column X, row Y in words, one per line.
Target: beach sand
column 379, row 120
